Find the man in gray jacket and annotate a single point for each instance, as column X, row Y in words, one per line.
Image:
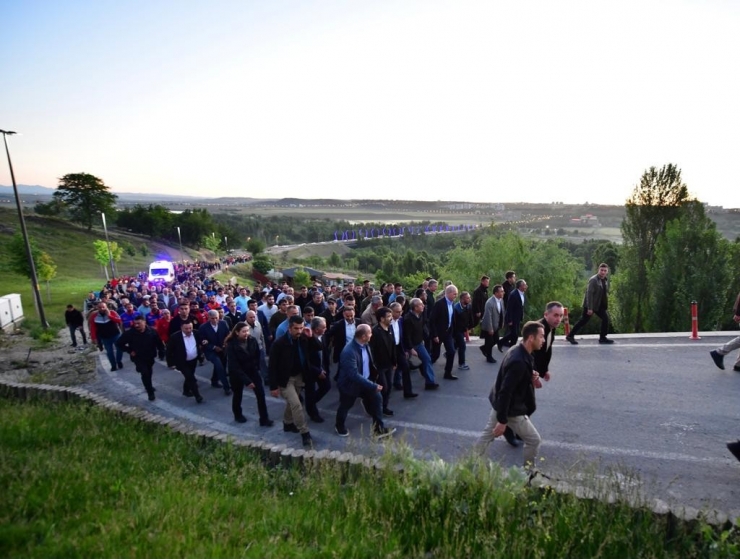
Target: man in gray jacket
column 596, row 301
column 493, row 320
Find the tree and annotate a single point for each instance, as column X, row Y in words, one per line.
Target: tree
column 301, row 278
column 255, row 246
column 659, row 198
column 85, row 197
column 334, row 260
column 46, row 269
column 211, row 242
column 691, row 261
column 262, row 263
column 102, row 256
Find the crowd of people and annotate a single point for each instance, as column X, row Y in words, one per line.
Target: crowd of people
column 296, row 341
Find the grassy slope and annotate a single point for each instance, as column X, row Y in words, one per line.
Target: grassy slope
column 82, row 482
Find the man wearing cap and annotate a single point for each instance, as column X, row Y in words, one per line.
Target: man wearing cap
column 212, row 335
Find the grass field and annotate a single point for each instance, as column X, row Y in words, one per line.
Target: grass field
column 79, row 481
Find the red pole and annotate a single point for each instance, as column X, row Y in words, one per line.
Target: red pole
column 566, row 323
column 694, row 322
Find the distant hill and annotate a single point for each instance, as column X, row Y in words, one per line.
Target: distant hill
column 27, row 189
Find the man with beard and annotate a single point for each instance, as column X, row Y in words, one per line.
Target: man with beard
column 144, row 345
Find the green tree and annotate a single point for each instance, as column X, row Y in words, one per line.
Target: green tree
column 659, row 198
column 102, row 256
column 690, row 247
column 210, row 242
column 549, row 269
column 255, row 246
column 301, row 278
column 52, row 208
column 262, row 263
column 46, row 270
column 85, row 197
column 334, row 260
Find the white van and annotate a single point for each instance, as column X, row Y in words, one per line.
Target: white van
column 161, row 271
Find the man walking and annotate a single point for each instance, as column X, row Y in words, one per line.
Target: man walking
column 144, row 346
column 514, row 314
column 718, row 355
column 442, row 325
column 75, row 321
column 288, row 366
column 183, row 352
column 512, row 397
column 212, row 335
column 384, row 354
column 596, row 301
column 492, row 322
column 356, row 369
column 480, row 296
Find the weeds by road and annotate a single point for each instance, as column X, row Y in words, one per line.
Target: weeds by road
column 82, row 482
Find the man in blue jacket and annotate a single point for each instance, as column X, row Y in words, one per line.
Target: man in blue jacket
column 356, row 370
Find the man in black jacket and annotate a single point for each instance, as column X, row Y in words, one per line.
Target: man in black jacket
column 514, row 314
column 318, row 382
column 480, row 296
column 413, row 340
column 512, row 397
column 288, row 366
column 144, row 346
column 343, row 331
column 75, row 321
column 552, row 319
column 384, row 354
column 184, row 349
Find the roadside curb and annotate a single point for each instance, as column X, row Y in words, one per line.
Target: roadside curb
column 274, row 454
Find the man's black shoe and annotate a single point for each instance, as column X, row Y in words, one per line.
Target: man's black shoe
column 290, row 428
column 387, row 412
column 605, row 341
column 510, row 438
column 316, row 418
column 151, row 396
column 571, row 339
column 736, row 368
column 341, row 431
column 199, row 399
column 499, row 345
column 450, row 376
column 433, row 386
column 187, row 394
column 113, row 368
column 266, row 423
column 307, row 440
column 718, row 359
column 490, row 359
column 240, row 419
column 483, row 351
column 410, row 395
column 734, row 448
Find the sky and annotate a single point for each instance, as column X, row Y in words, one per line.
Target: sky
column 532, row 101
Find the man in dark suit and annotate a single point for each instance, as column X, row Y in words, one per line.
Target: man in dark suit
column 384, row 354
column 492, row 322
column 402, row 375
column 442, row 327
column 480, row 296
column 212, row 336
column 356, row 369
column 183, row 351
column 317, row 379
column 514, row 315
column 144, row 345
column 343, row 331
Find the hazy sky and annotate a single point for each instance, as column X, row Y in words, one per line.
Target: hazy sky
column 481, row 101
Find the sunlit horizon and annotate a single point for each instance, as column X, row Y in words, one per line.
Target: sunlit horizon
column 415, row 100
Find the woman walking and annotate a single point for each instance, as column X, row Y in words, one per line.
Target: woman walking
column 242, row 364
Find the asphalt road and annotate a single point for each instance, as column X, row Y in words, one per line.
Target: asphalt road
column 649, row 415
